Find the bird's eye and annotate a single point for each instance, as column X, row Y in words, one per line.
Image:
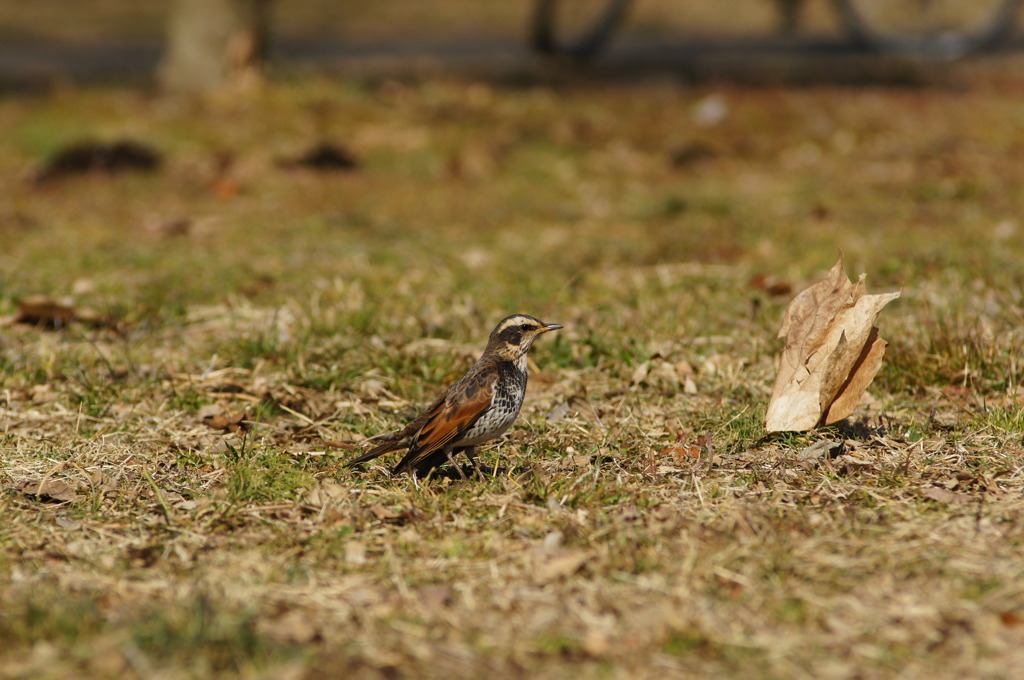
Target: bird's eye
column 526, row 327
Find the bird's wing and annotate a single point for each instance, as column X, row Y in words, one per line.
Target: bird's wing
column 465, row 402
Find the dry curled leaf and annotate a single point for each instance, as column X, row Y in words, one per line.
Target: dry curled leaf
column 293, row 626
column 832, row 353
column 231, row 422
column 389, row 516
column 1010, row 619
column 43, row 311
column 216, row 417
column 323, row 493
column 561, row 565
column 771, row 285
column 680, row 454
column 324, row 157
column 49, row 489
column 104, row 157
column 937, row 493
column 40, row 310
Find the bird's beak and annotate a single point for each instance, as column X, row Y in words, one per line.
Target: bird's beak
column 549, row 327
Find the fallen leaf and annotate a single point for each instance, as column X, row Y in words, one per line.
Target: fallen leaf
column 808, row 457
column 389, row 516
column 559, row 566
column 49, row 489
column 436, row 598
column 294, row 626
column 209, row 411
column 41, row 310
column 225, row 187
column 552, row 543
column 558, row 412
column 146, row 555
column 41, row 394
column 849, row 464
column 46, row 312
column 473, row 161
column 832, row 353
column 665, row 375
column 83, row 287
column 324, row 157
column 167, row 226
column 229, row 422
column 1010, row 619
column 680, row 454
column 572, row 461
column 688, row 154
column 90, row 156
column 640, row 373
column 771, row 285
column 355, row 552
column 937, row 493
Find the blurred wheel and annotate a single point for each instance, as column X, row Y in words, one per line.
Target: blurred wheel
column 576, row 28
column 932, row 29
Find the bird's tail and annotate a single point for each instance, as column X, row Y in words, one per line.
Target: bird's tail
column 390, row 443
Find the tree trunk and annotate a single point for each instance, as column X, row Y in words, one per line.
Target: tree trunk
column 214, row 45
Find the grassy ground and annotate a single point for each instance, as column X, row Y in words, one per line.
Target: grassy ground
column 149, row 531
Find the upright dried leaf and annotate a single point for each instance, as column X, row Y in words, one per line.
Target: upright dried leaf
column 860, row 376
column 832, row 353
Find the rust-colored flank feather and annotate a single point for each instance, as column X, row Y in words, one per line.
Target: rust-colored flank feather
column 478, row 408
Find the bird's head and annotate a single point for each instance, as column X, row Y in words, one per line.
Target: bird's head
column 514, row 335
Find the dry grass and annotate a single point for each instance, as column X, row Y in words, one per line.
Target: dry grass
column 138, row 540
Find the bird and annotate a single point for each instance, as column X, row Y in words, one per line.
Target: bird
column 479, row 407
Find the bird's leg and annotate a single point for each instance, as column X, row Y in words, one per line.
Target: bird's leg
column 471, row 454
column 458, row 468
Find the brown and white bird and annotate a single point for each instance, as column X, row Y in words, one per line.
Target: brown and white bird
column 478, row 408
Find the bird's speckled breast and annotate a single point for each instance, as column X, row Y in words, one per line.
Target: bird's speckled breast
column 506, row 402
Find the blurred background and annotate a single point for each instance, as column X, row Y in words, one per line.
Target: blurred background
column 120, row 39
column 319, row 139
